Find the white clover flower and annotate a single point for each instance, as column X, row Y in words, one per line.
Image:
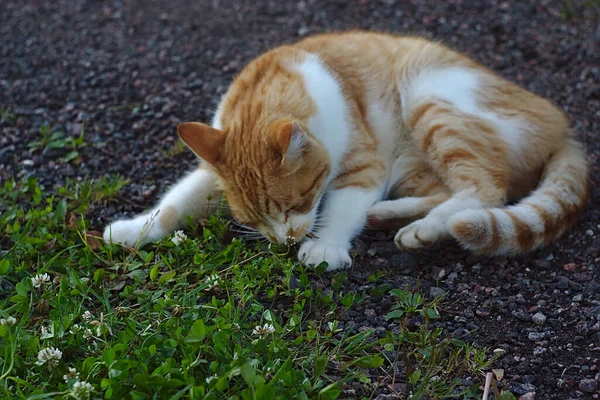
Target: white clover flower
column 88, row 317
column 264, row 330
column 81, row 390
column 88, row 333
column 212, row 378
column 47, row 332
column 40, row 281
column 178, row 237
column 72, row 374
column 212, row 281
column 9, row 321
column 74, row 329
column 50, row 356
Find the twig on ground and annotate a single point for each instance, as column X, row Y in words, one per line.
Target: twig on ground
column 486, row 388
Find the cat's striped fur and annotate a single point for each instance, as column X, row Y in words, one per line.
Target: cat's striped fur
column 379, row 127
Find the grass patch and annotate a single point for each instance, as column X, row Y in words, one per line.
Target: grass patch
column 57, row 140
column 202, row 316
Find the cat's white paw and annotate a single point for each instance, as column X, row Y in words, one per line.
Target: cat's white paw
column 420, row 234
column 314, row 252
column 137, row 231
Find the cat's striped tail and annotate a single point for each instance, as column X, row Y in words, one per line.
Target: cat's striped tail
column 539, row 218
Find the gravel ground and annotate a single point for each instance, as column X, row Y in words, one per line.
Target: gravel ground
column 128, row 71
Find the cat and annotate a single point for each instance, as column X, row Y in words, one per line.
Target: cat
column 314, row 139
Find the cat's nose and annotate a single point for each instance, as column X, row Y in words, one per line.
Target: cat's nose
column 297, row 234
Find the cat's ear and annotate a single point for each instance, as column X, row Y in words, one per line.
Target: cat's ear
column 290, row 140
column 205, row 141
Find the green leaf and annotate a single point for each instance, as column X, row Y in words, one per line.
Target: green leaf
column 138, row 275
column 197, row 333
column 22, row 290
column 99, row 276
column 320, row 364
column 4, row 331
column 108, row 356
column 71, row 156
column 506, row 395
column 401, row 294
column 167, row 276
column 394, row 314
column 414, row 377
column 433, row 313
column 154, row 273
column 221, row 342
column 250, row 376
column 329, row 392
column 369, row 362
column 4, row 266
column 268, row 315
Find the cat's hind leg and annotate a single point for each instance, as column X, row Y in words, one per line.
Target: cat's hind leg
column 471, row 159
column 415, row 190
column 405, row 207
column 197, row 195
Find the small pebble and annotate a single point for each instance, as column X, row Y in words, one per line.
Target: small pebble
column 438, row 273
column 577, row 298
column 588, row 385
column 539, row 318
column 563, row 283
column 537, row 336
column 499, row 351
column 522, row 388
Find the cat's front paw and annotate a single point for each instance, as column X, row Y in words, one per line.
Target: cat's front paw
column 314, row 252
column 420, row 234
column 134, row 232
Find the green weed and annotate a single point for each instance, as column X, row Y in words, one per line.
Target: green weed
column 194, row 317
column 57, row 140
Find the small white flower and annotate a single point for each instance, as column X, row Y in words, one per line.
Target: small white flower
column 178, row 237
column 47, row 332
column 88, row 317
column 72, row 374
column 74, row 329
column 40, row 281
column 263, row 331
column 211, row 378
column 81, row 390
column 8, row 321
column 212, row 281
column 88, row 333
column 49, row 355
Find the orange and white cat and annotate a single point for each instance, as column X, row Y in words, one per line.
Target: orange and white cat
column 320, row 136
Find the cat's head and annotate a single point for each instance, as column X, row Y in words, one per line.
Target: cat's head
column 273, row 180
